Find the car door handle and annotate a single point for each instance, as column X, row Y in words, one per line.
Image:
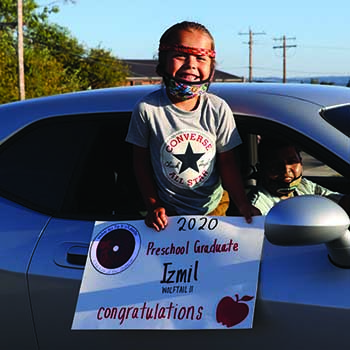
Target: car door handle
column 72, row 254
column 77, row 255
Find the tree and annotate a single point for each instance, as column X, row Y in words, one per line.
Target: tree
column 47, row 76
column 8, row 69
column 55, row 62
column 102, row 69
column 314, row 81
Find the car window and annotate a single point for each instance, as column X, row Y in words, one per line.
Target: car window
column 338, row 116
column 323, row 174
column 318, row 162
column 76, row 167
column 314, row 167
column 259, row 127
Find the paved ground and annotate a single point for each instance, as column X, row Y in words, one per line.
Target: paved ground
column 313, row 167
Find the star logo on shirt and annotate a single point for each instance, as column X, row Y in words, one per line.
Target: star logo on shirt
column 188, row 159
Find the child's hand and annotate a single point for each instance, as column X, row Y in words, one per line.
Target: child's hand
column 248, row 211
column 157, row 219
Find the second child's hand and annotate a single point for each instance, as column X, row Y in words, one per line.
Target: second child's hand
column 157, row 219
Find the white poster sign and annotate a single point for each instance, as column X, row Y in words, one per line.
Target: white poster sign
column 198, row 273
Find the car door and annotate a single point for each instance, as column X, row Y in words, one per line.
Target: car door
column 64, row 173
column 29, row 196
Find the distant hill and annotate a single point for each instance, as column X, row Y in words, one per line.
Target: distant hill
column 336, row 80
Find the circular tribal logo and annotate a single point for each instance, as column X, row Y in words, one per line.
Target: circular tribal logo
column 115, row 248
column 186, row 158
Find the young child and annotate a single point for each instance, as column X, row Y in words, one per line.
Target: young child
column 184, row 137
column 281, row 177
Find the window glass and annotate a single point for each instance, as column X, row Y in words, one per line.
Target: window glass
column 314, row 167
column 36, row 164
column 77, row 167
column 338, row 116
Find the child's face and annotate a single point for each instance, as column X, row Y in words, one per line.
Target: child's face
column 282, row 169
column 187, row 66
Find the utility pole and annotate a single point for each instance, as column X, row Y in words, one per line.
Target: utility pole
column 20, row 50
column 284, row 47
column 250, row 43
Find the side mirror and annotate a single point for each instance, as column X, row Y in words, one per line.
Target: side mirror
column 306, row 220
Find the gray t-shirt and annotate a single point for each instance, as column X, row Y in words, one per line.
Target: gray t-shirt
column 262, row 199
column 183, row 147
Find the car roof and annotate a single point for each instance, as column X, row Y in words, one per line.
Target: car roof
column 295, row 105
column 127, row 96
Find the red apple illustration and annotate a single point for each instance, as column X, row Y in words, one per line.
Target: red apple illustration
column 230, row 312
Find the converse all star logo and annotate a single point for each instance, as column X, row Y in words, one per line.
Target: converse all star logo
column 186, row 158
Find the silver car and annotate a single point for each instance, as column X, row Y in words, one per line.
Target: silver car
column 64, row 164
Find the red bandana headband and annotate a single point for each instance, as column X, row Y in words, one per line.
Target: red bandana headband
column 187, row 49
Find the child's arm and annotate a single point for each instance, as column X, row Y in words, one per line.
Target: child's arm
column 233, row 184
column 156, row 215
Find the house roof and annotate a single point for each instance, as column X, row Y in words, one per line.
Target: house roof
column 147, row 69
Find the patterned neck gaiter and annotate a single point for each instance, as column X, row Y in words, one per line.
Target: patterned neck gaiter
column 282, row 188
column 185, row 90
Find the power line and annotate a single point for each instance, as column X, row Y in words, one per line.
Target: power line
column 324, row 47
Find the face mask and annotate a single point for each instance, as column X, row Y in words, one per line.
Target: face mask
column 185, row 90
column 283, row 188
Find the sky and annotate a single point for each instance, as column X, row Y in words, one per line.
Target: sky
column 316, row 31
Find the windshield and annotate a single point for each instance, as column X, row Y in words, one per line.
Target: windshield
column 338, row 116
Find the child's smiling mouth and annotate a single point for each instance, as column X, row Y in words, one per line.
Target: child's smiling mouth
column 188, row 77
